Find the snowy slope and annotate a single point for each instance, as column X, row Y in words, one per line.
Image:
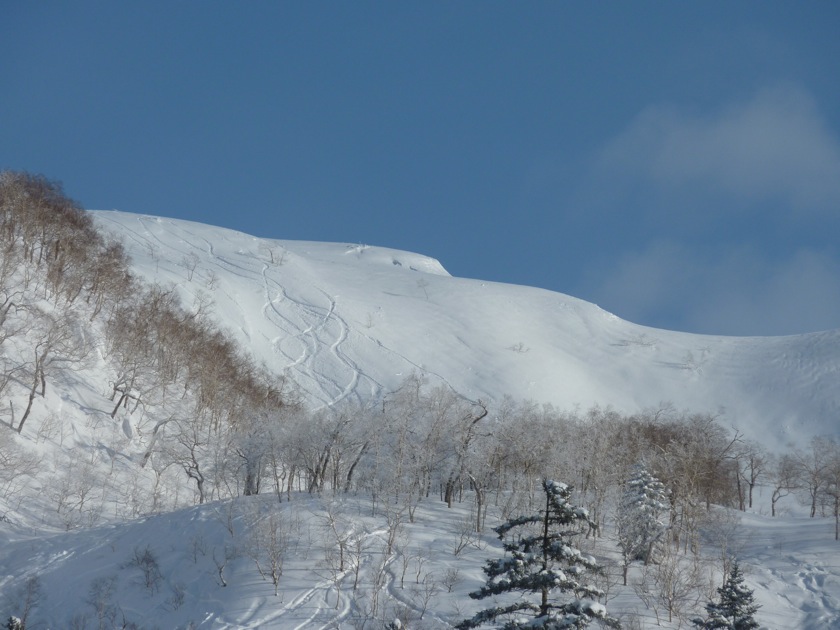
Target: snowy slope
column 353, row 321
column 790, row 563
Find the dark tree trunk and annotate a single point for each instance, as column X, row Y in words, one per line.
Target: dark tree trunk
column 32, row 392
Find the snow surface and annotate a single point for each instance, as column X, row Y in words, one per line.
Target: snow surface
column 348, row 321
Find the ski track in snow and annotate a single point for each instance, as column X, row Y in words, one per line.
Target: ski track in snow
column 335, row 348
column 322, row 368
column 413, row 365
column 806, row 584
column 320, row 327
column 311, row 337
column 313, row 604
column 820, row 608
column 152, row 233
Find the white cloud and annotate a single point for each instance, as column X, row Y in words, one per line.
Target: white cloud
column 773, row 147
column 742, row 292
column 797, row 294
column 720, row 222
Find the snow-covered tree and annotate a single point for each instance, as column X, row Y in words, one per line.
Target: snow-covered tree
column 541, row 561
column 642, row 517
column 736, row 607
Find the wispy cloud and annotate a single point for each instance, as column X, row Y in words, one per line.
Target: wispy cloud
column 773, row 147
column 721, row 221
column 741, row 292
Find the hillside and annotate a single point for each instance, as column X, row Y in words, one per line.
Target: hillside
column 351, row 321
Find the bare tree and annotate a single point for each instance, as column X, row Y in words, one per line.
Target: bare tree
column 813, row 465
column 673, row 586
column 251, row 445
column 832, row 482
column 190, row 262
column 338, row 536
column 13, row 300
column 145, row 560
column 26, row 598
column 465, row 535
column 462, row 435
column 784, row 478
column 16, row 464
column 193, row 441
column 73, row 492
column 101, row 599
column 268, row 543
column 752, row 463
column 58, row 342
column 275, row 253
column 422, row 594
column 722, row 530
column 228, row 554
column 692, row 455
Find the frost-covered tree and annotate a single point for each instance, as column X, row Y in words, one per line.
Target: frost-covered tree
column 541, row 561
column 736, row 608
column 642, row 517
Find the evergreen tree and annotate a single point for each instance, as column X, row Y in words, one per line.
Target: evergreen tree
column 540, row 561
column 642, row 516
column 14, row 623
column 736, row 607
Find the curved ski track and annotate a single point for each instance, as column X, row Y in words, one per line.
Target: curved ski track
column 309, row 338
column 313, row 609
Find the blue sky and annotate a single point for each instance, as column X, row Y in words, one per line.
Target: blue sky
column 677, row 163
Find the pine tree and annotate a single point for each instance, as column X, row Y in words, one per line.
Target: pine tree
column 14, row 623
column 540, row 561
column 736, row 607
column 642, row 516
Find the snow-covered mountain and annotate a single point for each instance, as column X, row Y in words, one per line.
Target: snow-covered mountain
column 351, row 321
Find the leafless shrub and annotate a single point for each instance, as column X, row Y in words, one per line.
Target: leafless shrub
column 268, row 542
column 100, row 598
column 16, row 465
column 673, row 587
column 176, row 599
column 146, row 561
column 422, row 594
column 198, row 545
column 466, row 536
column 451, row 578
column 229, row 553
column 190, row 262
